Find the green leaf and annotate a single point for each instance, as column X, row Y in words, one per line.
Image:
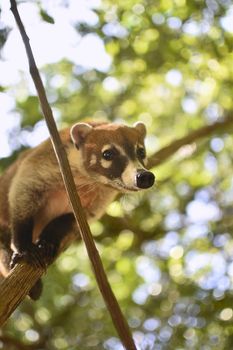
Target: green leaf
column 46, row 17
column 30, row 111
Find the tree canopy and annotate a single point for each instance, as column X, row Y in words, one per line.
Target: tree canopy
column 168, row 252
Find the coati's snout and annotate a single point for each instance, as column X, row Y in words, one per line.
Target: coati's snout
column 145, row 179
column 135, row 177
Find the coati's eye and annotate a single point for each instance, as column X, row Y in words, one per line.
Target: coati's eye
column 108, row 154
column 141, row 153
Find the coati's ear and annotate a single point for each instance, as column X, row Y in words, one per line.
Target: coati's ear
column 140, row 126
column 78, row 133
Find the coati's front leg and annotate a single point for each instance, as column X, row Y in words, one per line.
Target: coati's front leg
column 24, row 248
column 43, row 252
column 54, row 233
column 46, row 248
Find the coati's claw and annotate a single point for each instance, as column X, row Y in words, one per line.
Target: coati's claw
column 15, row 259
column 39, row 255
column 31, row 259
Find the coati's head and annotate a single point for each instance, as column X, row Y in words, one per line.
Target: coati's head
column 113, row 154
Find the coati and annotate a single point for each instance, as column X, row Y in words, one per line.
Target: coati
column 35, row 213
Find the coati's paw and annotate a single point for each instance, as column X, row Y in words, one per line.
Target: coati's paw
column 32, row 259
column 49, row 249
column 39, row 255
column 15, row 259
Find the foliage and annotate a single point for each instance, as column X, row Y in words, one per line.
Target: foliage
column 169, row 252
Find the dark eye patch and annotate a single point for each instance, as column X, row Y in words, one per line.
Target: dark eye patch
column 116, row 167
column 141, row 153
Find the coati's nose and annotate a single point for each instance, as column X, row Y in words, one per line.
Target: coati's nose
column 145, row 179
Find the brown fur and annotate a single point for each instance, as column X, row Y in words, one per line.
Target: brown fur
column 32, row 187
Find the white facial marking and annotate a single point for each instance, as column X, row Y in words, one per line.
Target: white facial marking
column 105, row 163
column 106, row 147
column 75, row 159
column 120, row 149
column 93, row 159
column 129, row 175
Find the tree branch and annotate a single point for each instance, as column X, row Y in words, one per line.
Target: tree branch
column 15, row 287
column 104, row 286
column 163, row 154
column 17, row 284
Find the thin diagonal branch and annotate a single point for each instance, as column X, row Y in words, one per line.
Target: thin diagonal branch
column 164, row 153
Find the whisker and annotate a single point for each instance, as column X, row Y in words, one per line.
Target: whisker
column 89, row 188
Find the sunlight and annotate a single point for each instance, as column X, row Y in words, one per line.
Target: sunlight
column 50, row 43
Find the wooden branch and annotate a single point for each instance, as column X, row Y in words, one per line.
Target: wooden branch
column 163, row 154
column 15, row 287
column 104, row 286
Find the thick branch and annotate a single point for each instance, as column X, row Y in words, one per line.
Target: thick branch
column 163, row 154
column 104, row 286
column 17, row 284
column 15, row 287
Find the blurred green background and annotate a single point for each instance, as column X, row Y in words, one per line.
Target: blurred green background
column 168, row 252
